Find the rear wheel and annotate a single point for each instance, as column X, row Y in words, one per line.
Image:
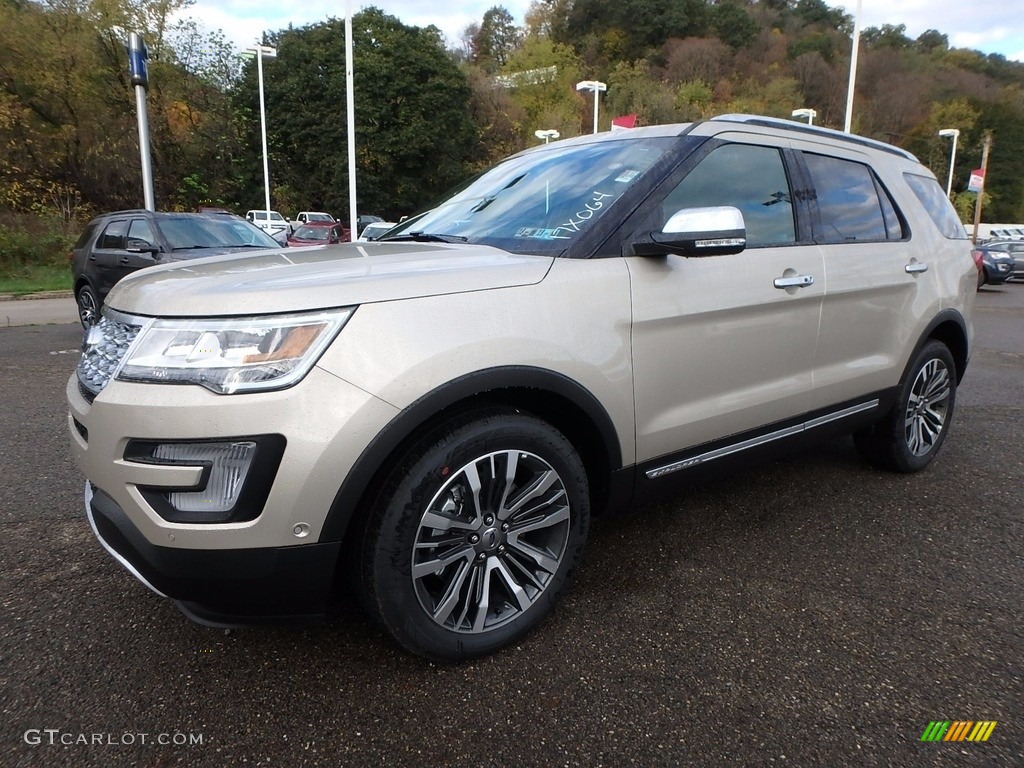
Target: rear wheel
column 88, row 306
column 912, row 433
column 475, row 535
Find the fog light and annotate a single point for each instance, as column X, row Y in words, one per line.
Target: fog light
column 228, row 465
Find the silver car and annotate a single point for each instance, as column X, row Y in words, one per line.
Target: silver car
column 432, row 419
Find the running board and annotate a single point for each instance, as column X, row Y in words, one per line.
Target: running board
column 754, row 442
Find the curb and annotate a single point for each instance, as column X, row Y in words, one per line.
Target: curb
column 39, row 295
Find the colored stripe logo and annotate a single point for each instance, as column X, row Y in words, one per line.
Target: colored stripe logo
column 958, row 730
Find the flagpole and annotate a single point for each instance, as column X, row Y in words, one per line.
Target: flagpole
column 350, row 112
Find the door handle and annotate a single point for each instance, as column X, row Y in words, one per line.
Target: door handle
column 915, row 267
column 796, row 281
column 123, row 261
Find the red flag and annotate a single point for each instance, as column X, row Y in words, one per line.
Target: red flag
column 624, row 122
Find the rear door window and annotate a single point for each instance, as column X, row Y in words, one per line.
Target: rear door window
column 852, row 205
column 113, row 235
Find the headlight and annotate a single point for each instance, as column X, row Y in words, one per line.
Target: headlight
column 232, row 355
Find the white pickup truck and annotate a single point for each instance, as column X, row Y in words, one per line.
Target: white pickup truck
column 305, row 217
column 271, row 222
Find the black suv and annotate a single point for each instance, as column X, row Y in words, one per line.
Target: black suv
column 115, row 244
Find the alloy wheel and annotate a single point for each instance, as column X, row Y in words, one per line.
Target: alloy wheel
column 927, row 407
column 490, row 541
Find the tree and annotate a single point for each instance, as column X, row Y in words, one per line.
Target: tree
column 886, row 36
column 732, row 24
column 628, row 29
column 632, row 90
column 494, row 39
column 549, row 99
column 932, row 40
column 414, row 134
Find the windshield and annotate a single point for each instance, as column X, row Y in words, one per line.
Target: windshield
column 540, row 201
column 319, row 217
column 312, row 233
column 186, row 232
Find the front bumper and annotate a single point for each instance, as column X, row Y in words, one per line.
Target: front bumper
column 220, row 587
column 267, row 565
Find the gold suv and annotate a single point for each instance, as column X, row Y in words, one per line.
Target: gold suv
column 431, row 419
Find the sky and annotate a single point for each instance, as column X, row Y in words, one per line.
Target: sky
column 984, row 25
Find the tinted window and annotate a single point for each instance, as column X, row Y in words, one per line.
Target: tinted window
column 848, row 200
column 937, row 205
column 186, row 232
column 141, row 229
column 113, row 235
column 750, row 178
column 86, row 235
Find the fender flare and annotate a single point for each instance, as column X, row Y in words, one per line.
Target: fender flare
column 958, row 345
column 424, row 411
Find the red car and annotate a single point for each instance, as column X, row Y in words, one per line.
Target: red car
column 319, row 233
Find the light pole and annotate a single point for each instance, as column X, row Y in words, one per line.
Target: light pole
column 261, row 52
column 853, row 69
column 953, row 133
column 596, row 86
column 810, row 114
column 547, row 135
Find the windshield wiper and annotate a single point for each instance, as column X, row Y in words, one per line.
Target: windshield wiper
column 425, row 237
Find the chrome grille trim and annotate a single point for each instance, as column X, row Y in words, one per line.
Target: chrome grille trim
column 104, row 348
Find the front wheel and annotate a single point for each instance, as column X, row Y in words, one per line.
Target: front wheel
column 912, row 433
column 475, row 535
column 88, row 306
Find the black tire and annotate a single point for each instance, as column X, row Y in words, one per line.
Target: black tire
column 912, row 433
column 88, row 306
column 500, row 568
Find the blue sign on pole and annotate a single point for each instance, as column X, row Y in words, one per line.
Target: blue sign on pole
column 138, row 55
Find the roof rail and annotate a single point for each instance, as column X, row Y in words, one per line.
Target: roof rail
column 814, row 130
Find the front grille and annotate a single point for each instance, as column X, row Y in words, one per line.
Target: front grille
column 103, row 349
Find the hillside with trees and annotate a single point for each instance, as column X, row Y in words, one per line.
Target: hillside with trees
column 427, row 116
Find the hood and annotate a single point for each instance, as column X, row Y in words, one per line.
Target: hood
column 202, row 253
column 309, row 278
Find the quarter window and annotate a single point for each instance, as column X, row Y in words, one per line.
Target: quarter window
column 850, row 202
column 937, row 205
column 747, row 177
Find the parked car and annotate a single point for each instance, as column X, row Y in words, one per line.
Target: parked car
column 363, row 220
column 271, row 222
column 319, row 233
column 374, row 230
column 116, row 244
column 309, row 217
column 997, row 261
column 432, row 418
column 1007, row 233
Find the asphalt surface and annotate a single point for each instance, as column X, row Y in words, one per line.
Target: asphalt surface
column 42, row 309
column 809, row 612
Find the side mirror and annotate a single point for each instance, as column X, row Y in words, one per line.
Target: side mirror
column 138, row 245
column 717, row 231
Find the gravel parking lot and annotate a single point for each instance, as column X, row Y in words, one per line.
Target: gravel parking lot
column 811, row 611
